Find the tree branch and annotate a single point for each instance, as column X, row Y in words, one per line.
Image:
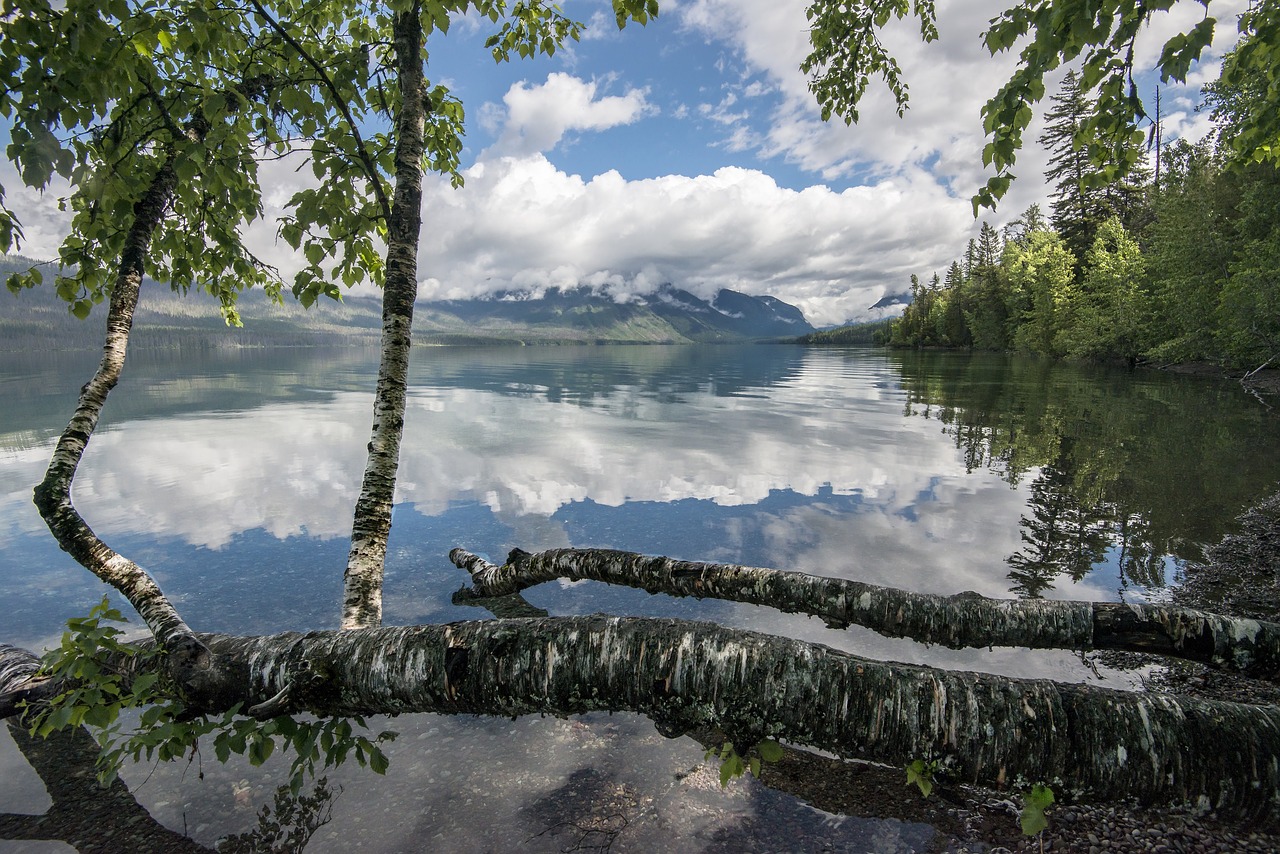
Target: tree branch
column 994, row 731
column 1093, row 743
column 339, row 103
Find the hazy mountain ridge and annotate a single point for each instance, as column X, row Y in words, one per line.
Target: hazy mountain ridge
column 37, row 320
column 667, row 315
column 893, row 300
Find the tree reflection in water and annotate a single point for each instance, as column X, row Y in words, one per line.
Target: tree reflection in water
column 1138, row 471
column 93, row 818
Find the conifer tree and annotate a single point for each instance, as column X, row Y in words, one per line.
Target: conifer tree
column 1083, row 197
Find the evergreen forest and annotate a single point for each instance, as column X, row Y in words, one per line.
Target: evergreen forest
column 1175, row 262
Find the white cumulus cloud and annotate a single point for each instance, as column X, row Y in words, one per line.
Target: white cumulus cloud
column 539, row 116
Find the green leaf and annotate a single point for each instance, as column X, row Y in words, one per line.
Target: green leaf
column 222, row 748
column 726, row 773
column 921, row 774
column 142, row 684
column 378, row 761
column 769, row 750
column 1033, row 807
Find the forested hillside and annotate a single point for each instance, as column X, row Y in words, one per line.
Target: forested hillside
column 872, row 334
column 1176, row 263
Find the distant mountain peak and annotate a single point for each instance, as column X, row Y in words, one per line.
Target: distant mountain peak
column 890, row 300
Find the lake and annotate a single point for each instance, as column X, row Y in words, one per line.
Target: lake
column 232, row 475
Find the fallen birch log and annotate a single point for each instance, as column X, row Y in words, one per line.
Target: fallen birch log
column 965, row 620
column 994, row 731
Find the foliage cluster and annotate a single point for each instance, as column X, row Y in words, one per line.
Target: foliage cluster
column 734, row 764
column 290, row 827
column 873, row 334
column 1098, row 35
column 925, row 774
column 107, row 676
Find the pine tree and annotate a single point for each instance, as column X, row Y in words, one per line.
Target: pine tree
column 953, row 328
column 987, row 256
column 1032, row 219
column 1083, row 197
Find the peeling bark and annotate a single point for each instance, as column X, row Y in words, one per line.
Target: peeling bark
column 18, row 680
column 994, row 731
column 362, row 581
column 965, row 620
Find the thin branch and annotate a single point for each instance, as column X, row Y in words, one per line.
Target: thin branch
column 339, row 102
column 1250, row 374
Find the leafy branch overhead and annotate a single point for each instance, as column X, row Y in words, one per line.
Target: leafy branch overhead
column 105, row 95
column 1096, row 35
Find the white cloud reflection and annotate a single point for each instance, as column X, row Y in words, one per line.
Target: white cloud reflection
column 887, row 499
column 292, row 469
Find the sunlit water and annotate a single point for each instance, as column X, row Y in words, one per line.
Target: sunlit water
column 232, row 478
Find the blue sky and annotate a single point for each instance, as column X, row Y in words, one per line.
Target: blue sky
column 690, row 151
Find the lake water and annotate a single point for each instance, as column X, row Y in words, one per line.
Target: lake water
column 231, row 476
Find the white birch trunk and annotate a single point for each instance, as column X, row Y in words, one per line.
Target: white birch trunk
column 362, row 582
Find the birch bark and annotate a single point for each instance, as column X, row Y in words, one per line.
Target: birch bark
column 362, row 581
column 994, row 731
column 965, row 620
column 53, row 494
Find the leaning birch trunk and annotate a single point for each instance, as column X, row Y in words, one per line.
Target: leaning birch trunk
column 966, row 620
column 362, row 582
column 53, row 494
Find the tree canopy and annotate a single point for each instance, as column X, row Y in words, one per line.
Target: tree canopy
column 847, row 52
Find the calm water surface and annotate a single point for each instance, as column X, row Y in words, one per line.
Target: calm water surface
column 232, row 478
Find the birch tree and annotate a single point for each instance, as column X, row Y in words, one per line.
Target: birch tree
column 161, row 154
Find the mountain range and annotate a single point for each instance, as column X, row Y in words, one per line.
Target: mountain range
column 38, row 320
column 666, row 315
